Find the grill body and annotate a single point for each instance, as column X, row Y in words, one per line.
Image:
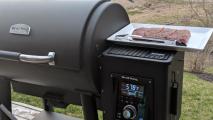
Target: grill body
column 161, row 80
column 57, row 50
column 74, row 30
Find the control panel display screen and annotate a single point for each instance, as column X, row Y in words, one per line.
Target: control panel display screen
column 134, row 90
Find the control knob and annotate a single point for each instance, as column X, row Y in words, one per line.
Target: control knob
column 129, row 112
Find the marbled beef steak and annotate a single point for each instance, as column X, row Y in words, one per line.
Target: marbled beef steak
column 182, row 36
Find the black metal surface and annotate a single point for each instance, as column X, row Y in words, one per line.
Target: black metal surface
column 103, row 24
column 64, row 96
column 55, row 26
column 161, row 106
column 143, row 53
column 89, row 107
column 142, row 104
column 48, row 106
column 13, row 56
column 74, row 30
column 5, row 96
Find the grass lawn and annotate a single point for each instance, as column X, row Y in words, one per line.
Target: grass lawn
column 197, row 100
column 209, row 70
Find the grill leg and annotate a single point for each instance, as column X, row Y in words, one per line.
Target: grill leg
column 89, row 107
column 5, row 96
column 47, row 106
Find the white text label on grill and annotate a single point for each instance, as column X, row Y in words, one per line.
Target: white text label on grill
column 20, row 29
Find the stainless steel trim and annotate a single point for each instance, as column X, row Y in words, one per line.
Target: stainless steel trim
column 38, row 59
column 142, row 39
column 197, row 42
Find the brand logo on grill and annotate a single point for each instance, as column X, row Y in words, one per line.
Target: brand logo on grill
column 20, row 29
column 129, row 78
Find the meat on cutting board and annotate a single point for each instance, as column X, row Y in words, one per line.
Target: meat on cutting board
column 181, row 36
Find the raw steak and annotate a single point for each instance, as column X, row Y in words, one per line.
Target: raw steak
column 182, row 36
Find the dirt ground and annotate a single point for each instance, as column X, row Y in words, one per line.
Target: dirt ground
column 206, row 76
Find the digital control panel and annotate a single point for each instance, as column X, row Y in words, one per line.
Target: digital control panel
column 131, row 97
column 132, row 90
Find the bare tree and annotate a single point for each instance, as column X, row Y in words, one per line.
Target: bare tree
column 203, row 12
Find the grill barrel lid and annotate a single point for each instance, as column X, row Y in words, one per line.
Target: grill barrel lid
column 39, row 27
column 73, row 33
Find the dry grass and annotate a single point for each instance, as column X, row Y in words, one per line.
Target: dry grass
column 128, row 4
column 163, row 13
column 175, row 11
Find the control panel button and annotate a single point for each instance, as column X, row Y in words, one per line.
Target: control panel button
column 119, row 115
column 129, row 112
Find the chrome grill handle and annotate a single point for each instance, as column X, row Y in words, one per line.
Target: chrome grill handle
column 50, row 58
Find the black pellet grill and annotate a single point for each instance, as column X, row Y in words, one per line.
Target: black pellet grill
column 62, row 52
